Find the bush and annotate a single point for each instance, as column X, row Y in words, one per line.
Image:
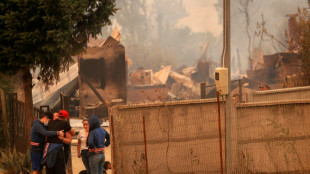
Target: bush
column 15, row 162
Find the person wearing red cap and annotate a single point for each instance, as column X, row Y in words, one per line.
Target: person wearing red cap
column 65, row 114
column 54, row 157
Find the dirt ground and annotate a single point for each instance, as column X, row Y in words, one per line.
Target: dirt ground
column 77, row 164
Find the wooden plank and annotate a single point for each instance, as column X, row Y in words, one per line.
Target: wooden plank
column 94, row 90
column 4, row 117
column 12, row 115
column 82, row 111
column 113, row 161
column 202, row 90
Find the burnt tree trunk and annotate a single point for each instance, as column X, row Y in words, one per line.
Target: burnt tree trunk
column 28, row 106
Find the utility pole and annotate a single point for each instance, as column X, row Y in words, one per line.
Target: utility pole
column 226, row 38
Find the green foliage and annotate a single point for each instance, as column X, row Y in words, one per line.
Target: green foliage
column 15, row 162
column 45, row 34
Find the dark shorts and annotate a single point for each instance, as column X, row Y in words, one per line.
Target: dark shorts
column 36, row 161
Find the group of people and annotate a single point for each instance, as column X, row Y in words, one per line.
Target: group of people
column 51, row 136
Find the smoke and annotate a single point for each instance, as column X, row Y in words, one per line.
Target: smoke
column 162, row 32
column 276, row 22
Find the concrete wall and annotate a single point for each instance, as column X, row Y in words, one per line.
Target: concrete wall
column 273, row 137
column 146, row 93
column 181, row 137
column 286, row 94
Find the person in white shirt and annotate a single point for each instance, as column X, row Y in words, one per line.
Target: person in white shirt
column 82, row 149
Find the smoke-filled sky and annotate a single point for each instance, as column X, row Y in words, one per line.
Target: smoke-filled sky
column 178, row 32
column 202, row 16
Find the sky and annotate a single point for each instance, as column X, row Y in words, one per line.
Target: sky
column 202, row 16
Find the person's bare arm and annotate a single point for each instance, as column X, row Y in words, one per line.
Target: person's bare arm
column 72, row 132
column 68, row 138
column 78, row 148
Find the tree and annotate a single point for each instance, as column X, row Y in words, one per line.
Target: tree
column 302, row 38
column 45, row 34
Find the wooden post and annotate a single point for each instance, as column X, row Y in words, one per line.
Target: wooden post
column 82, row 111
column 4, row 118
column 94, row 90
column 112, row 145
column 203, row 90
column 240, row 91
column 28, row 104
column 12, row 107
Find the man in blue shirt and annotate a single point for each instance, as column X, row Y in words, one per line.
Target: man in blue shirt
column 38, row 134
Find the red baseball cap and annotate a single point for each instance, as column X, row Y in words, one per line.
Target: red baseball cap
column 63, row 113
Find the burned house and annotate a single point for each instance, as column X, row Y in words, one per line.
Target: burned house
column 50, row 99
column 102, row 77
column 277, row 67
column 144, row 86
column 204, row 72
column 141, row 76
column 278, row 70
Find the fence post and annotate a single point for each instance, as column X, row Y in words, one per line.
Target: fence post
column 220, row 130
column 5, row 122
column 113, row 145
column 203, row 90
column 145, row 148
column 12, row 108
column 240, row 91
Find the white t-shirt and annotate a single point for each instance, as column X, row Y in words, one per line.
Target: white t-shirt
column 82, row 137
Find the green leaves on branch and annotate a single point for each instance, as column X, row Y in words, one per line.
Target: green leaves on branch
column 45, row 34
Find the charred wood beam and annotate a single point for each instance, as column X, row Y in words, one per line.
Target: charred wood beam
column 4, row 117
column 94, row 90
column 203, row 94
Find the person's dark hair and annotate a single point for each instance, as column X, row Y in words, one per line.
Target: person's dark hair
column 48, row 114
column 105, row 165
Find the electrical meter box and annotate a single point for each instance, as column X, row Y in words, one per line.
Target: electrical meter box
column 221, row 80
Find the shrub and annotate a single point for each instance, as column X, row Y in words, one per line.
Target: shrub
column 15, row 162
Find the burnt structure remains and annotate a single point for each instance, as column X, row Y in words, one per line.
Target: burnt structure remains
column 102, row 77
